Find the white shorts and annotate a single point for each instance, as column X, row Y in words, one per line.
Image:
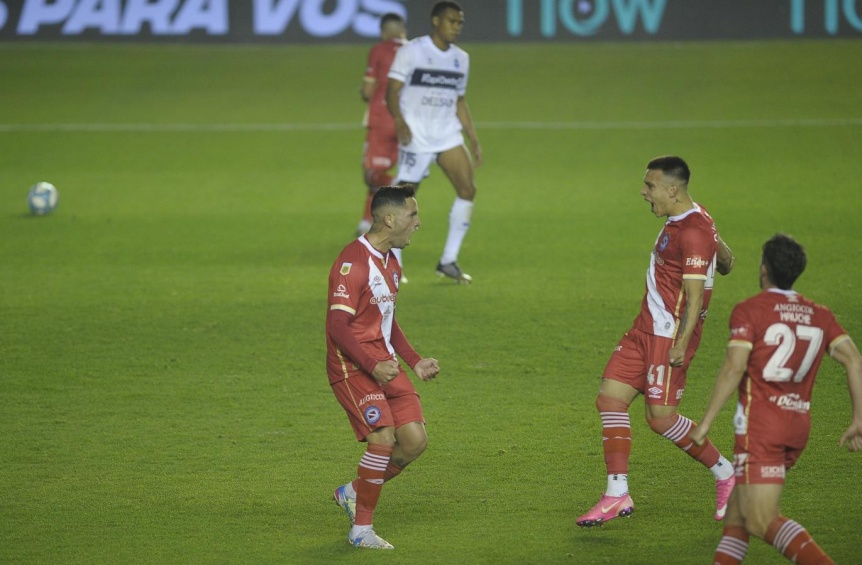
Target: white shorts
column 414, row 166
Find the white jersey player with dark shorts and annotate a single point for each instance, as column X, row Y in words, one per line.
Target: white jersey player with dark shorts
column 426, row 97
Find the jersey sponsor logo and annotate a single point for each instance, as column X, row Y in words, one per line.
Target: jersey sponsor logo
column 696, row 262
column 341, row 292
column 395, row 279
column 371, row 398
column 345, row 268
column 437, row 101
column 384, row 298
column 436, row 78
column 792, row 402
column 372, row 414
column 772, row 471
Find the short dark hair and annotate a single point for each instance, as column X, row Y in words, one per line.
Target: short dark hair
column 784, row 259
column 390, row 17
column 441, row 7
column 391, row 196
column 671, row 165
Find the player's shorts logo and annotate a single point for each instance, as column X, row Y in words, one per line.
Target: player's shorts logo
column 372, row 414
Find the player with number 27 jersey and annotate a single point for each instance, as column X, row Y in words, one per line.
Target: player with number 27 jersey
column 787, row 335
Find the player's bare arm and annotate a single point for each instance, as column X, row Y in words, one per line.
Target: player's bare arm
column 466, row 119
column 724, row 258
column 693, row 289
column 366, row 91
column 846, row 353
column 393, row 97
column 727, row 381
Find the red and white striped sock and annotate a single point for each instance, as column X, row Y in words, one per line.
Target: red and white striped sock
column 616, row 442
column 795, row 543
column 372, row 468
column 733, row 546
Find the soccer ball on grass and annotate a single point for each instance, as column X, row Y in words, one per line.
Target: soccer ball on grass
column 42, row 198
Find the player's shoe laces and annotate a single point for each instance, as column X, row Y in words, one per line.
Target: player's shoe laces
column 723, row 488
column 345, row 502
column 608, row 508
column 453, row 271
column 370, row 540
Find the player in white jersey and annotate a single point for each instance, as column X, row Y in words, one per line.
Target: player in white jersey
column 426, row 97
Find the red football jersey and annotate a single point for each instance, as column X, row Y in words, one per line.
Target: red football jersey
column 379, row 60
column 685, row 249
column 363, row 282
column 787, row 335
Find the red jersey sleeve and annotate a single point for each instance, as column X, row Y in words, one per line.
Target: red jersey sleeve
column 697, row 248
column 346, row 283
column 742, row 328
column 833, row 332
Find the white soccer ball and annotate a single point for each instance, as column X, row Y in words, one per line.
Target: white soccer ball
column 42, row 198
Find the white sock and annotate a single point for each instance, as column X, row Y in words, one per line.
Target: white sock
column 618, row 485
column 723, row 469
column 356, row 531
column 459, row 223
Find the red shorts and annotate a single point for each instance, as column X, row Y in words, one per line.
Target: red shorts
column 764, row 457
column 640, row 360
column 370, row 406
column 381, row 148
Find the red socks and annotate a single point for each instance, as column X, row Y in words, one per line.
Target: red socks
column 372, row 470
column 616, row 434
column 795, row 543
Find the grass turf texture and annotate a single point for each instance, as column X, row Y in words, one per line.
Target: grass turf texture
column 164, row 398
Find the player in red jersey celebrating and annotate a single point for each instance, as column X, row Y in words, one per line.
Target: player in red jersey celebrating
column 652, row 358
column 362, row 340
column 777, row 341
column 381, row 141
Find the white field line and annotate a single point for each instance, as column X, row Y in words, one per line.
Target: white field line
column 278, row 127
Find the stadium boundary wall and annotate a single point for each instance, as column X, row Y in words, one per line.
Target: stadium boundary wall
column 345, row 21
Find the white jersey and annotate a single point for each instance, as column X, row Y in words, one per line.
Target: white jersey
column 433, row 82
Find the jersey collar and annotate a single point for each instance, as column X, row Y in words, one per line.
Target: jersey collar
column 694, row 210
column 364, row 241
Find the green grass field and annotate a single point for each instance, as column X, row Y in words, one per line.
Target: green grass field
column 163, row 397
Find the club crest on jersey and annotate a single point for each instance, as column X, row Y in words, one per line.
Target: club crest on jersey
column 372, row 414
column 457, row 64
column 662, row 245
column 345, row 268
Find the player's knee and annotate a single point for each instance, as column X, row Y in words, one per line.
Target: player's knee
column 414, row 447
column 466, row 191
column 662, row 424
column 606, row 403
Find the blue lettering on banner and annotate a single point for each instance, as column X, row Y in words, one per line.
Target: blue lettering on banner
column 831, row 15
column 114, row 17
column 319, row 18
column 586, row 17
